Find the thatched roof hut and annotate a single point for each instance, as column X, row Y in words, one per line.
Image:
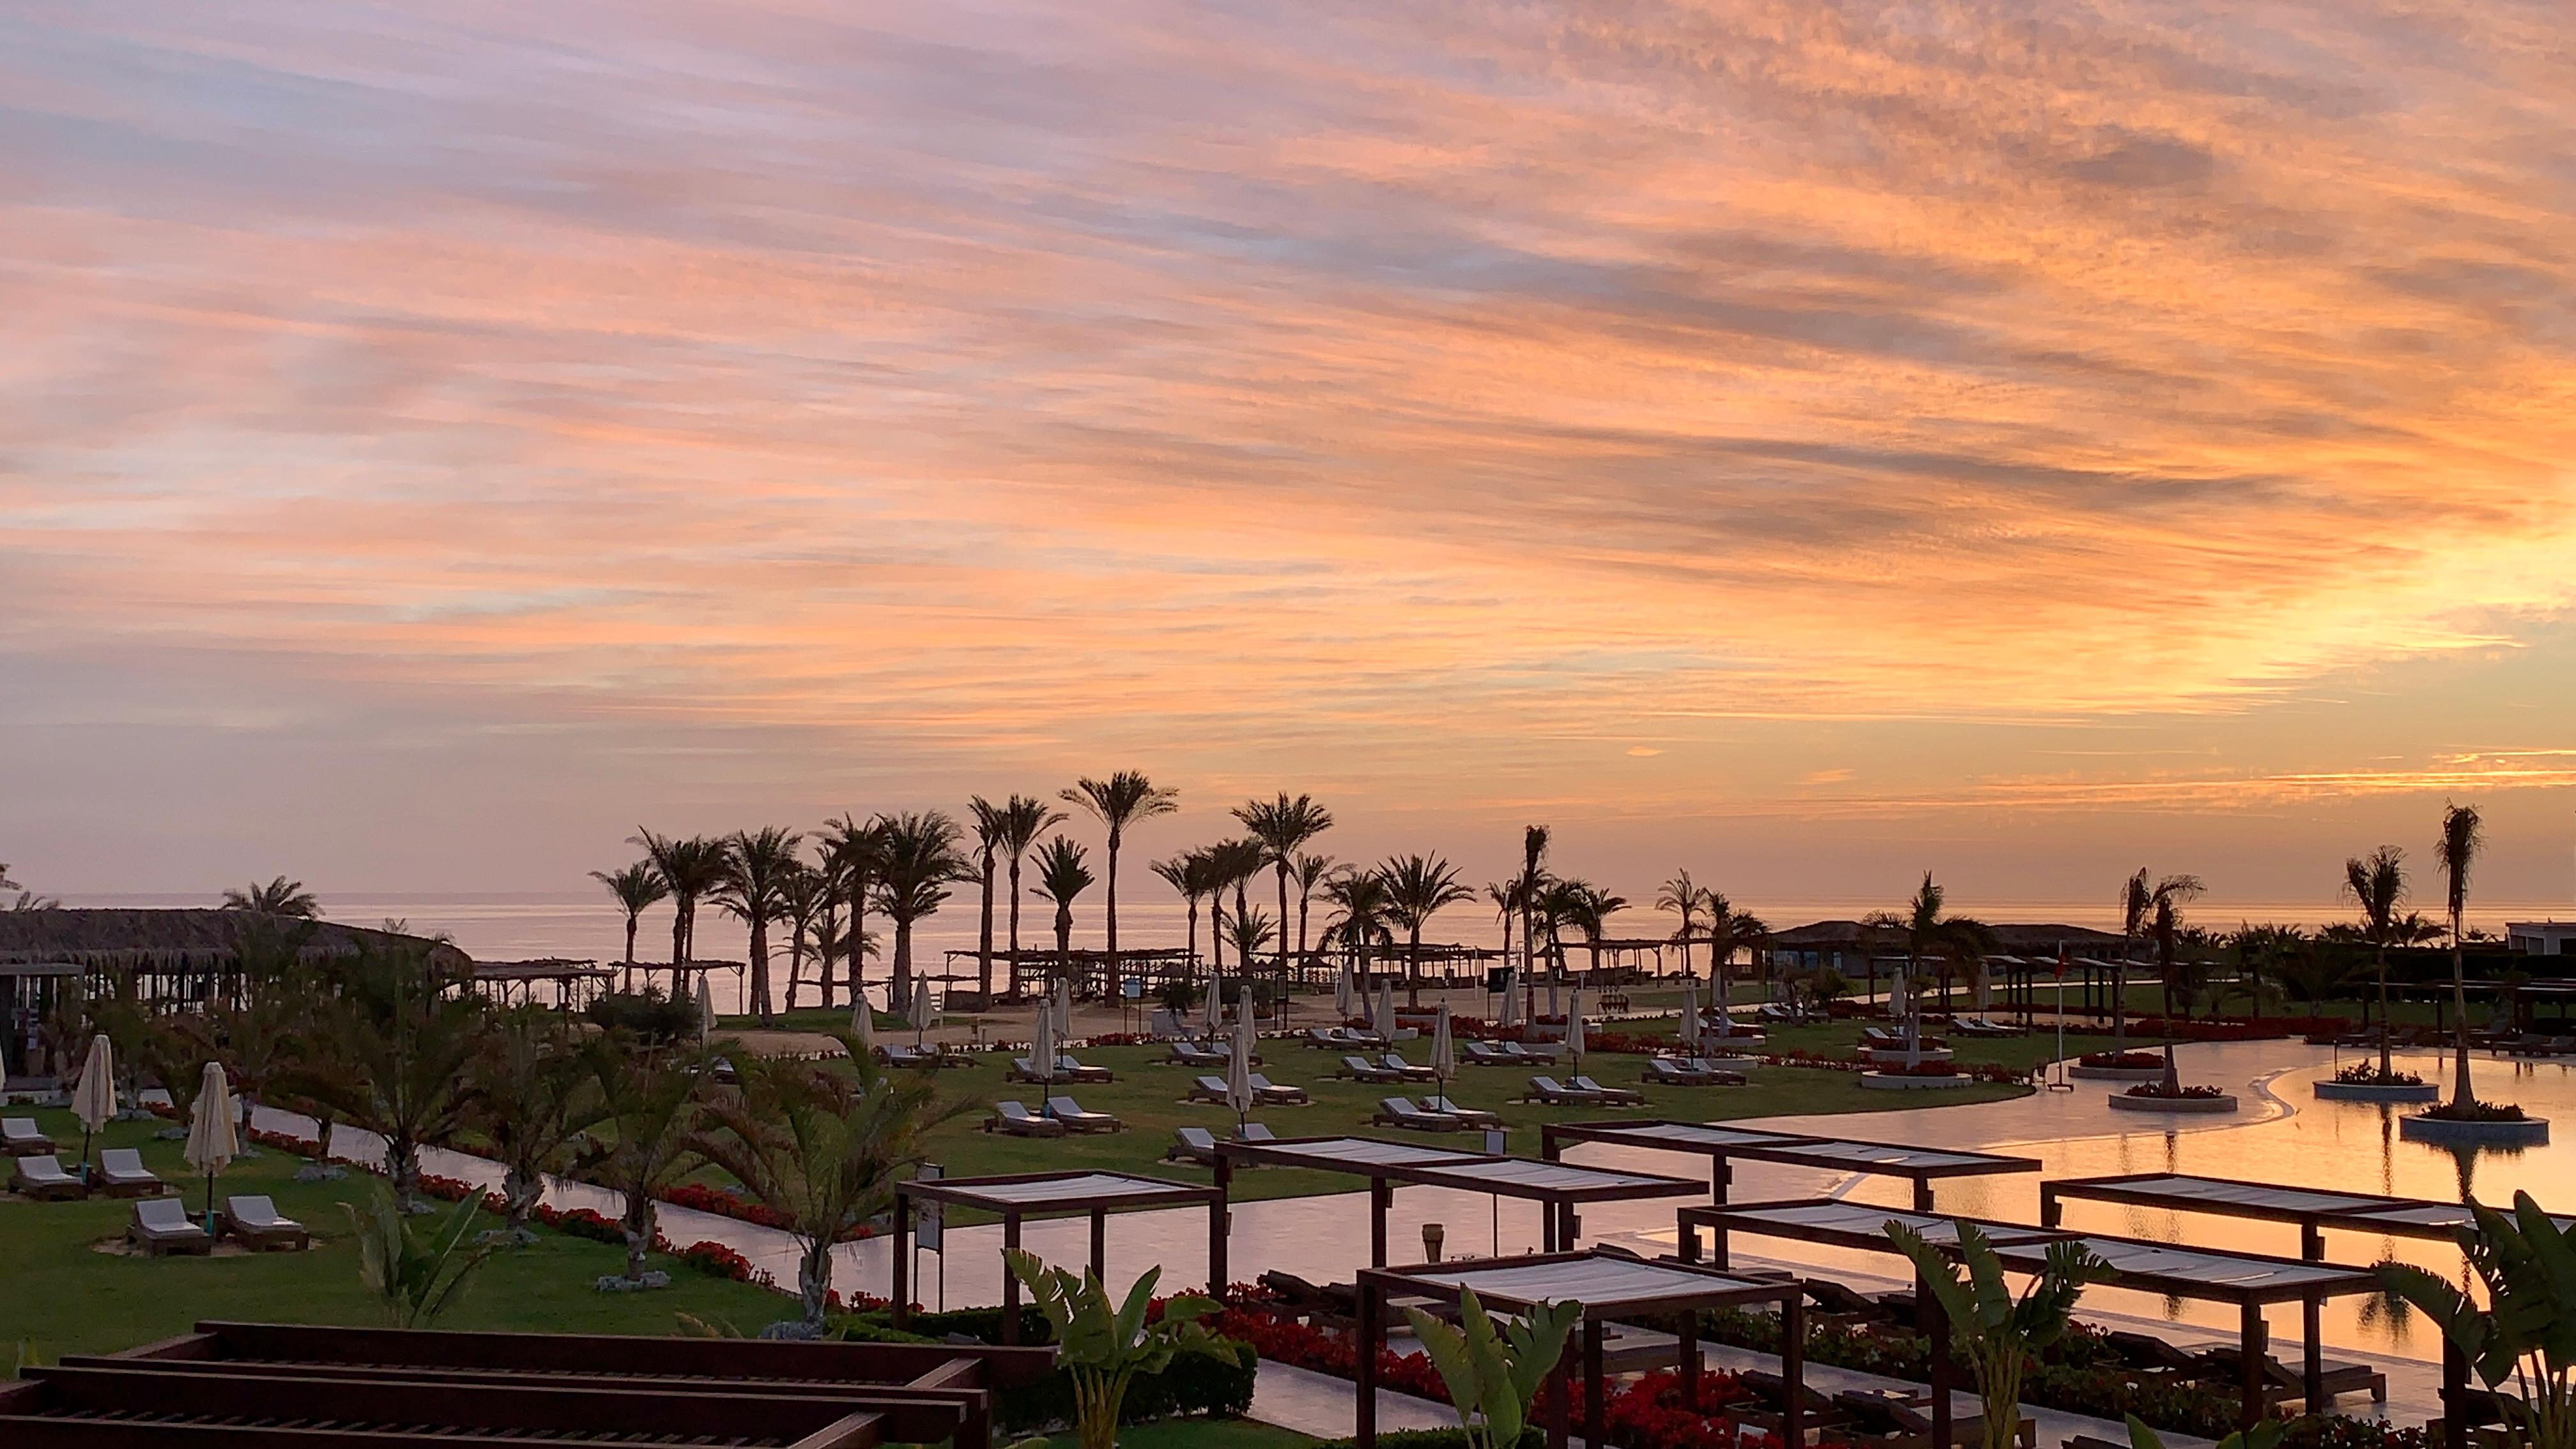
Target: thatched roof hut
column 183, row 940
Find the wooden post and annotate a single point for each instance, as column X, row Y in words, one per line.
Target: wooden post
column 1559, row 1389
column 1721, row 1176
column 2051, row 1211
column 2455, row 1395
column 1936, row 1328
column 902, row 1259
column 1010, row 1282
column 1381, row 1197
column 1687, row 1249
column 2312, row 1246
column 1793, row 1368
column 2253, row 1347
column 1686, row 1358
column 1100, row 1246
column 1596, row 1397
column 1923, row 1194
column 1219, row 1217
column 1364, row 1431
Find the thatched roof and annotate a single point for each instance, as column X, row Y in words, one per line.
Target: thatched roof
column 167, row 939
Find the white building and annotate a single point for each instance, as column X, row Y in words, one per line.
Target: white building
column 2541, row 938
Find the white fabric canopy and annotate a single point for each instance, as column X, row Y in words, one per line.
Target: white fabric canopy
column 94, row 1097
column 1238, row 1069
column 1211, row 1020
column 211, row 1143
column 863, row 1022
column 1344, row 999
column 706, row 1009
column 1444, row 1052
column 1690, row 1013
column 1042, row 1043
column 921, row 1009
column 1574, row 1025
column 1384, row 1022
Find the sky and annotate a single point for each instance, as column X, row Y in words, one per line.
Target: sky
column 1807, row 443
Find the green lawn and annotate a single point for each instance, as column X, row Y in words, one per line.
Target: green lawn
column 62, row 1297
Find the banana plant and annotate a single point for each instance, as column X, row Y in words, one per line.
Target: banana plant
column 1999, row 1335
column 415, row 1280
column 1492, row 1377
column 1104, row 1345
column 2265, row 1435
column 2526, row 1333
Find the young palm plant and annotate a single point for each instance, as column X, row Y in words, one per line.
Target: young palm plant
column 636, row 889
column 404, row 1036
column 822, row 1149
column 1105, row 1344
column 922, row 859
column 1999, row 1335
column 1064, row 873
column 650, row 1104
column 2525, row 1335
column 414, row 1278
column 1492, row 1377
column 529, row 1095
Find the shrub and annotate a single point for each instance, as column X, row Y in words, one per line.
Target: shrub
column 648, row 1014
column 2368, row 1074
column 2157, row 1089
column 2475, row 1112
column 2123, row 1061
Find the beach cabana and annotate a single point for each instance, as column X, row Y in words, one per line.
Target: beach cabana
column 1612, row 1287
column 1017, row 1196
column 1721, row 1144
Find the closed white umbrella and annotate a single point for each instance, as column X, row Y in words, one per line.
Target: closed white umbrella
column 94, row 1096
column 1717, row 994
column 1574, row 1026
column 1064, row 1009
column 1384, row 1022
column 1690, row 1014
column 1042, row 1045
column 211, row 1143
column 1344, row 997
column 1444, row 1052
column 1512, row 1004
column 1211, row 1021
column 706, row 1009
column 1238, row 1070
column 920, row 1008
column 1554, row 1005
column 863, row 1022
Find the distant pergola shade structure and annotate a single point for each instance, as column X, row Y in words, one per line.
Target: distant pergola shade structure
column 2251, row 1281
column 1611, row 1287
column 2314, row 1211
column 1559, row 1188
column 358, row 1388
column 1721, row 1144
column 1016, row 1196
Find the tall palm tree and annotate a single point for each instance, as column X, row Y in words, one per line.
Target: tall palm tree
column 1505, row 897
column 1231, row 866
column 693, row 866
column 1683, row 897
column 988, row 823
column 1417, row 888
column 807, row 906
column 1365, row 913
column 1534, row 840
column 1251, row 930
column 1187, row 874
column 1729, row 931
column 922, row 858
column 1928, row 933
column 280, row 897
column 637, row 889
column 757, row 865
column 1064, row 873
column 2168, row 896
column 2137, row 899
column 1590, row 907
column 2377, row 884
column 854, row 853
column 1311, row 871
column 1118, row 802
column 2463, row 834
column 1023, row 821
column 1283, row 826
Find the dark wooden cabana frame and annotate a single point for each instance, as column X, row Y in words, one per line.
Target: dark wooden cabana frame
column 1610, row 1286
column 2251, row 1281
column 1720, row 1143
column 1014, row 1196
column 2313, row 1211
column 1557, row 1186
column 357, row 1388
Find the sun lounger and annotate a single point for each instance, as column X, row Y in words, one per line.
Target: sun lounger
column 1400, row 1112
column 42, row 1178
column 121, row 1173
column 1192, row 1144
column 1556, row 1094
column 1525, row 1053
column 256, row 1222
column 1075, row 1119
column 1839, row 1301
column 161, row 1225
column 1981, row 1027
column 20, row 1137
column 1342, row 1038
column 1611, row 1096
column 1069, row 1070
column 915, row 1058
column 1015, row 1119
column 1271, row 1094
column 2147, row 1353
column 1255, row 1132
column 1360, row 1069
column 1395, row 1062
column 1485, row 1054
column 1472, row 1116
column 1206, row 1088
column 1902, row 1418
column 1695, row 1072
column 2284, row 1381
column 1191, row 1054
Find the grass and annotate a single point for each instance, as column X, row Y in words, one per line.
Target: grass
column 65, row 1298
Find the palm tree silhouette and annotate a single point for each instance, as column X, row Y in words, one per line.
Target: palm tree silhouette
column 1534, row 840
column 1118, row 802
column 989, row 826
column 2137, row 899
column 1589, row 907
column 806, row 904
column 2462, row 836
column 693, row 866
column 853, row 855
column 2377, row 884
column 1023, row 821
column 2168, row 897
column 1283, row 826
column 1683, row 897
column 1064, row 873
column 1366, row 912
column 1231, row 866
column 1187, row 874
column 1505, row 897
column 1417, row 888
column 637, row 889
column 280, row 897
column 1729, row 931
column 1928, row 933
column 921, row 860
column 757, row 865
column 1311, row 872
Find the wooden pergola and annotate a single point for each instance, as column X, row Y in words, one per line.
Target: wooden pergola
column 1015, row 1196
column 1611, row 1287
column 1721, row 1144
column 254, row 1384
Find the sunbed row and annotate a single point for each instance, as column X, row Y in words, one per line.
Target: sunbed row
column 162, row 1225
column 1209, row 1088
column 1055, row 1117
column 121, row 1173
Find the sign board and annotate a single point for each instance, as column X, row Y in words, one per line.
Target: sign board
column 925, row 1222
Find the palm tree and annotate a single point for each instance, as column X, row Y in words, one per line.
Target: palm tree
column 855, row 852
column 637, row 889
column 2462, row 836
column 2377, row 884
column 651, row 1102
column 922, row 859
column 1251, row 930
column 1928, row 933
column 530, row 1098
column 280, row 897
column 1310, row 873
column 1505, row 897
column 1231, row 865
column 2137, row 898
column 1683, row 897
column 1417, row 888
column 1187, row 874
column 1023, row 821
column 1064, row 873
column 2168, row 896
column 757, row 866
column 1118, row 802
column 693, row 867
column 1729, row 931
column 1283, row 826
column 806, row 903
column 1366, row 913
column 991, row 824
column 1590, row 907
column 405, row 1036
column 1533, row 861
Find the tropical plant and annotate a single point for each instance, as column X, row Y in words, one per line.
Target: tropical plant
column 1064, row 873
column 1683, row 897
column 404, row 1032
column 530, row 1098
column 920, row 860
column 2266, row 1434
column 650, row 1102
column 1231, row 866
column 1534, row 840
column 1417, row 888
column 280, row 897
column 1928, row 933
column 693, row 867
column 810, row 909
column 822, row 1149
column 2462, row 837
column 1188, row 875
column 414, row 1278
column 2522, row 1341
column 987, row 820
column 757, row 867
column 1492, row 1377
column 1310, row 873
column 1117, row 803
column 1588, row 908
column 1250, row 931
column 636, row 889
column 1999, row 1335
column 2137, row 899
column 1023, row 821
column 1104, row 1344
column 1730, row 931
column 1284, row 826
column 2167, row 898
column 1366, row 913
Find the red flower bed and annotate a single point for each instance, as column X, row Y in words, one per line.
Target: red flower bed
column 717, row 1260
column 1649, row 1414
column 300, row 1146
column 1305, row 1346
column 2126, row 1061
column 724, row 1204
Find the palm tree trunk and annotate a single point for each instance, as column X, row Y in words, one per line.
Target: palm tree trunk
column 1193, row 969
column 814, row 1280
column 900, row 1001
column 633, row 919
column 984, row 943
column 2461, row 1093
column 1015, row 925
column 2383, row 1011
column 1413, row 964
column 1113, row 915
column 639, row 1230
column 760, row 966
column 679, row 941
column 859, row 937
column 1063, row 943
column 1283, row 920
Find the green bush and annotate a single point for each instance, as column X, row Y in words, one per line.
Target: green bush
column 1532, row 1437
column 648, row 1014
column 1194, row 1384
